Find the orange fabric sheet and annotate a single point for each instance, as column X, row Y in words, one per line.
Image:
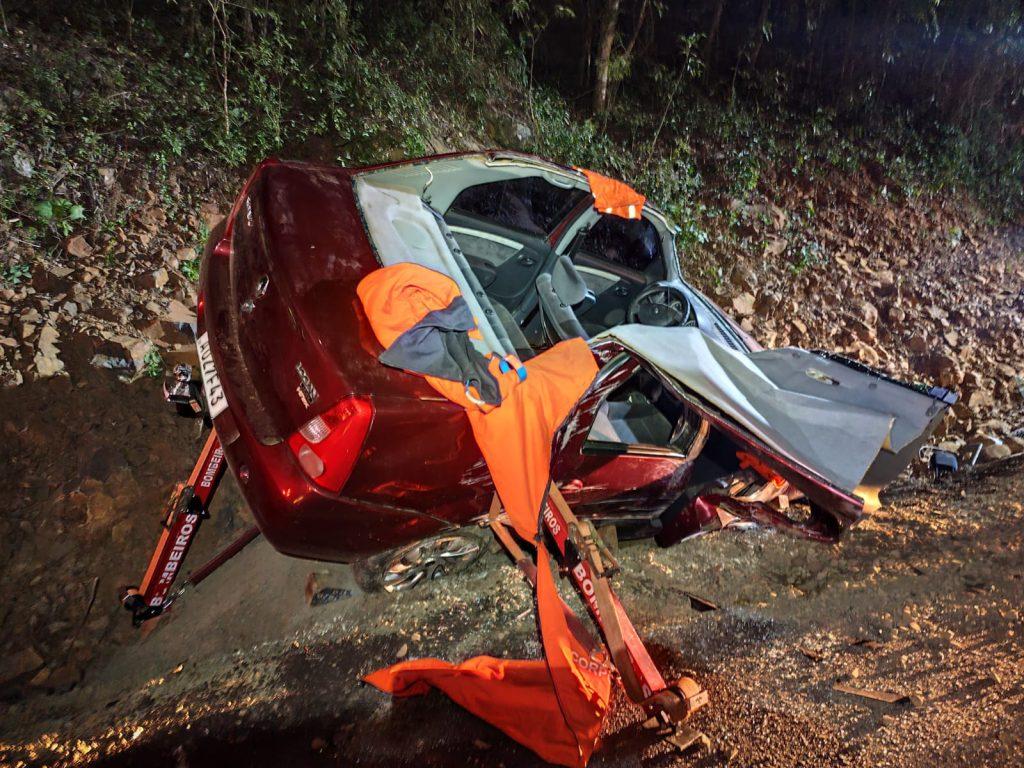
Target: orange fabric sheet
column 554, row 706
column 515, row 439
column 613, row 196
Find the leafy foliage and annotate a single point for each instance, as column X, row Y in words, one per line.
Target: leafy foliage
column 190, row 269
column 15, row 273
column 153, row 364
column 697, row 111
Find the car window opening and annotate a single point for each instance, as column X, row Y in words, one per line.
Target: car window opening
column 531, row 204
column 502, row 228
column 641, row 413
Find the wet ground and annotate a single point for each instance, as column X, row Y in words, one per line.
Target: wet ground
column 923, row 599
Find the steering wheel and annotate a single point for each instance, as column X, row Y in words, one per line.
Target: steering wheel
column 662, row 304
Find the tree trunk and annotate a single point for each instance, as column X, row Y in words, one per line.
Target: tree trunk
column 613, row 88
column 606, row 37
column 762, row 19
column 851, row 23
column 709, row 44
column 801, row 37
column 588, row 45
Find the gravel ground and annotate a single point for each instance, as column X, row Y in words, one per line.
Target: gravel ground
column 922, row 599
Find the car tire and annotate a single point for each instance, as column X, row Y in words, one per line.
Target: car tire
column 402, row 569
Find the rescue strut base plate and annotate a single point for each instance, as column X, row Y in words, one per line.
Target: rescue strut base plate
column 674, row 703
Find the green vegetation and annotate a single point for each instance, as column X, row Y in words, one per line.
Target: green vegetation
column 59, row 215
column 726, row 109
column 190, row 269
column 153, row 364
column 15, row 273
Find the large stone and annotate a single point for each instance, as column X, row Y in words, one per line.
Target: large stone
column 178, row 313
column 996, row 451
column 154, row 280
column 917, row 343
column 160, row 278
column 121, row 352
column 774, row 246
column 46, row 360
column 78, row 247
column 939, row 368
column 744, row 304
column 744, row 277
column 865, row 353
column 20, row 667
column 101, row 512
column 896, row 315
column 211, row 215
column 979, row 399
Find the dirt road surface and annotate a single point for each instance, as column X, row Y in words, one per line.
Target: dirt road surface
column 923, row 599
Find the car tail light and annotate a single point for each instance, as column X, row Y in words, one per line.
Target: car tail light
column 328, row 445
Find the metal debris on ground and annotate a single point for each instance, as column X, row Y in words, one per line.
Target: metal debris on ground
column 701, row 604
column 329, row 595
column 317, row 595
column 687, row 739
column 887, row 697
column 943, row 463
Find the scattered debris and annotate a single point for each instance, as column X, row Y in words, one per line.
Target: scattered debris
column 329, row 595
column 943, row 463
column 688, row 739
column 810, row 653
column 317, row 595
column 701, row 604
column 887, row 697
column 871, row 645
column 46, row 361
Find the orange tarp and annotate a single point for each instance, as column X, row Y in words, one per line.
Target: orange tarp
column 515, row 438
column 555, row 706
column 613, row 196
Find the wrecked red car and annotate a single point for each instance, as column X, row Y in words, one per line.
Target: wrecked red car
column 342, row 458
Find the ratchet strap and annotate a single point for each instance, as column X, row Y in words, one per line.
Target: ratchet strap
column 583, row 555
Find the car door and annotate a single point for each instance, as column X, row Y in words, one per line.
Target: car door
column 608, row 468
column 502, row 228
column 616, row 258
